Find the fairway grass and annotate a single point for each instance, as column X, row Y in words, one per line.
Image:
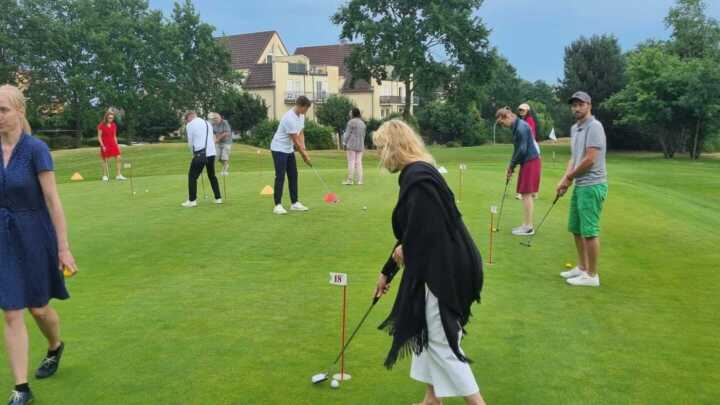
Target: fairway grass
column 231, row 304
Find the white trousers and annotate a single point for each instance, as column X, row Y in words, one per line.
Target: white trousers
column 437, row 365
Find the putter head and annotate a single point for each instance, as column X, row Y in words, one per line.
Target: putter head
column 526, row 244
column 318, row 378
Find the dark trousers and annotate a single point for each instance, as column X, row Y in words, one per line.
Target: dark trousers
column 285, row 163
column 196, row 168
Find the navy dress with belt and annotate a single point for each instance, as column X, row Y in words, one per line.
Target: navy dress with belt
column 29, row 274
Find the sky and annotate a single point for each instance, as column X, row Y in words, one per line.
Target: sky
column 532, row 35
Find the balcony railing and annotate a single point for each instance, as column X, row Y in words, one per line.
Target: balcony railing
column 397, row 100
column 321, row 97
column 301, row 69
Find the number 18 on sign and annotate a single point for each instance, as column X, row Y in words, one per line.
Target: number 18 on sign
column 341, row 279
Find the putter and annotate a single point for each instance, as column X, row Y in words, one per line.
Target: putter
column 502, row 204
column 330, row 197
column 529, row 241
column 318, row 378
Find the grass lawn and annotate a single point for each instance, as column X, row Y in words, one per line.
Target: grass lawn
column 231, row 304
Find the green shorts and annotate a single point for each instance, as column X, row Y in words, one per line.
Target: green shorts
column 585, row 208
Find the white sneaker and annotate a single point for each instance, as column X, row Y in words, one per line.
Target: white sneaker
column 574, row 272
column 120, row 177
column 189, row 204
column 298, row 206
column 359, row 183
column 105, row 178
column 279, row 210
column 347, row 182
column 223, row 173
column 523, row 231
column 218, row 201
column 584, row 280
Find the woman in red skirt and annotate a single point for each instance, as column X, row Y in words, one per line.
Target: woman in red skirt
column 525, row 154
column 107, row 136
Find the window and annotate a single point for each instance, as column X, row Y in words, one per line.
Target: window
column 269, row 59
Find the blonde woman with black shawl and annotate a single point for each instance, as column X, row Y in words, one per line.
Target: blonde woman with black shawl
column 443, row 271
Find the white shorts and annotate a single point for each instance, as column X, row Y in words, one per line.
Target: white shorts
column 223, row 151
column 437, row 365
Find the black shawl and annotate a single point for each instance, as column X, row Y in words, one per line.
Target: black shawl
column 439, row 252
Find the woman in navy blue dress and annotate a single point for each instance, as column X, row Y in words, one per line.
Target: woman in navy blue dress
column 33, row 243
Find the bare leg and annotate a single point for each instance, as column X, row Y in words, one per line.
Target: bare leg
column 592, row 251
column 105, row 168
column 48, row 321
column 16, row 344
column 528, row 206
column 430, row 398
column 226, row 165
column 118, row 165
column 582, row 255
column 475, row 399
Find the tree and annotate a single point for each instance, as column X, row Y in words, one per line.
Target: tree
column 404, row 40
column 694, row 34
column 596, row 65
column 700, row 99
column 243, row 110
column 9, row 41
column 334, row 112
column 443, row 123
column 650, row 99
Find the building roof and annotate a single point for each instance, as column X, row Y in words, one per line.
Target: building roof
column 260, row 76
column 334, row 55
column 246, row 49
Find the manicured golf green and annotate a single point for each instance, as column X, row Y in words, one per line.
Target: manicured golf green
column 231, row 304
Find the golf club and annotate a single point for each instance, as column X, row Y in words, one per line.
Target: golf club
column 529, row 241
column 330, row 197
column 502, row 204
column 318, row 378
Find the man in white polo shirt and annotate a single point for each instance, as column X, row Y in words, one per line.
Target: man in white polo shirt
column 289, row 138
column 202, row 144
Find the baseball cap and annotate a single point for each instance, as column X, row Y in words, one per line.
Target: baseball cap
column 580, row 95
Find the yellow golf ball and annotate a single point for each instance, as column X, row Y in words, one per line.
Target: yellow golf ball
column 568, row 265
column 67, row 272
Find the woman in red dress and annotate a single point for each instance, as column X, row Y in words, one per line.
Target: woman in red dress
column 107, row 136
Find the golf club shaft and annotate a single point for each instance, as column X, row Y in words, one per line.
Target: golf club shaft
column 557, row 197
column 502, row 204
column 357, row 328
column 327, row 189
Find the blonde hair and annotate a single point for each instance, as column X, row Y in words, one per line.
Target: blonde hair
column 106, row 115
column 399, row 146
column 17, row 101
column 504, row 113
column 213, row 115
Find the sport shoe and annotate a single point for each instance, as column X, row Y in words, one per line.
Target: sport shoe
column 359, row 183
column 105, row 178
column 20, row 398
column 218, row 201
column 279, row 210
column 298, row 206
column 120, row 177
column 347, row 183
column 50, row 364
column 523, row 231
column 585, row 280
column 189, row 204
column 574, row 272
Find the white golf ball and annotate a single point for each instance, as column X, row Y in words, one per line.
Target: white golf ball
column 147, row 191
column 365, row 208
column 335, row 383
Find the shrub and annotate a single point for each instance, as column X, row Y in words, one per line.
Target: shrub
column 318, row 136
column 262, row 134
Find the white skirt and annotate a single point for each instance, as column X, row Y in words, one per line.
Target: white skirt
column 437, row 365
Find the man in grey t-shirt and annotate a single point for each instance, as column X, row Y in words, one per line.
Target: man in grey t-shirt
column 587, row 169
column 223, row 139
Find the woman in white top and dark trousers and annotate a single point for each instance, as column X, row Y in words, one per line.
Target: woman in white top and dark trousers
column 199, row 134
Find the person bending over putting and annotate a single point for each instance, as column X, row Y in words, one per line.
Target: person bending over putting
column 443, row 271
column 586, row 169
column 526, row 155
column 34, row 246
column 288, row 138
